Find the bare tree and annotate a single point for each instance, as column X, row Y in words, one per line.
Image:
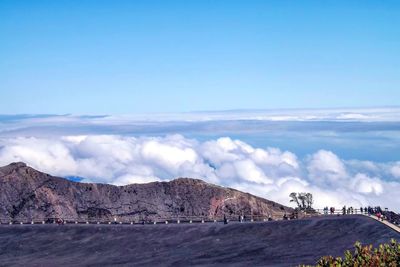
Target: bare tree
column 294, row 198
column 309, row 200
column 304, row 201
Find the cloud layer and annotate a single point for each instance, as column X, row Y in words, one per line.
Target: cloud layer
column 266, row 172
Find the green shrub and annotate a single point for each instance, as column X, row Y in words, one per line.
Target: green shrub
column 385, row 255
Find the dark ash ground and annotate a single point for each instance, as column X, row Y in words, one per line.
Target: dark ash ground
column 284, row 243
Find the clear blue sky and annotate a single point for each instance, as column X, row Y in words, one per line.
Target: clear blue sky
column 98, row 57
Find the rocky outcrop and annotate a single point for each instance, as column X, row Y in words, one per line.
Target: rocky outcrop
column 28, row 194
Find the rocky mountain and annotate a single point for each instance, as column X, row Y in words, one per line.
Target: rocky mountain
column 28, row 194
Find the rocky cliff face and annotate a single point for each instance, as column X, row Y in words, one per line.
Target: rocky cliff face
column 27, row 194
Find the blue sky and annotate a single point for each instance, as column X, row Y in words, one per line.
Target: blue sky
column 113, row 57
column 146, row 65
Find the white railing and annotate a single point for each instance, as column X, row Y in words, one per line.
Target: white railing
column 340, row 211
column 172, row 220
column 116, row 220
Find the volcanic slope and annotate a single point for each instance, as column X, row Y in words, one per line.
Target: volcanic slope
column 277, row 243
column 27, row 194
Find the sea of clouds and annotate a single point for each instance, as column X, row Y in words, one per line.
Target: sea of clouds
column 238, row 149
column 266, row 172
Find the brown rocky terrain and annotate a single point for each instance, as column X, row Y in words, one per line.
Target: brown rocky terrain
column 28, row 194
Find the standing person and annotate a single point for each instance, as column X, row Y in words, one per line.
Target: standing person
column 361, row 210
column 344, row 210
column 225, row 220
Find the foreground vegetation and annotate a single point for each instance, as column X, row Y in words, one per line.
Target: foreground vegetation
column 384, row 255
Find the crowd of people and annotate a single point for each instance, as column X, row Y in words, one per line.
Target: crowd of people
column 391, row 217
column 376, row 211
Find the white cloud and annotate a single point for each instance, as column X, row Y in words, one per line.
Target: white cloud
column 362, row 183
column 170, row 156
column 43, row 153
column 326, row 168
column 247, row 170
column 11, row 125
column 395, row 170
column 267, row 172
column 353, row 116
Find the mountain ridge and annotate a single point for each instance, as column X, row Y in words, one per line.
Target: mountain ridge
column 27, row 194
